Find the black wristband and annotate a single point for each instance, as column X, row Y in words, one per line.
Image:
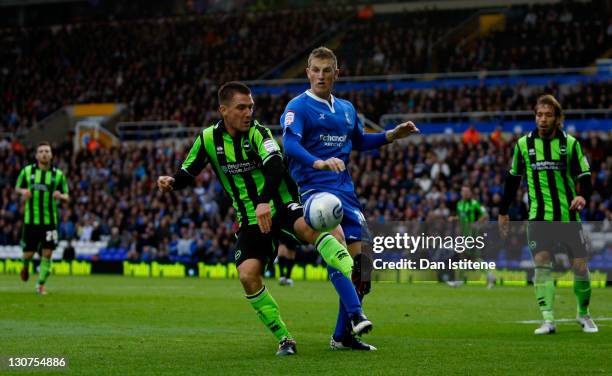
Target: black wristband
column 586, row 187
column 510, row 188
column 182, row 179
column 273, row 170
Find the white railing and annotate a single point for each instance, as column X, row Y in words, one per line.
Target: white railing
column 81, row 248
column 154, row 130
column 511, row 115
column 439, row 76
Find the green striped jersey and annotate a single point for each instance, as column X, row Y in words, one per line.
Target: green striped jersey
column 552, row 167
column 469, row 211
column 238, row 163
column 41, row 208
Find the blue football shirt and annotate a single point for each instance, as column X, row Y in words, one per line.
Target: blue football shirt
column 326, row 130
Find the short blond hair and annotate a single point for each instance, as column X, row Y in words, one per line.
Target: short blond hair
column 549, row 100
column 323, row 53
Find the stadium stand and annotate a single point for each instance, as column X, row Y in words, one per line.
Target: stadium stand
column 168, row 69
column 114, row 199
column 45, row 68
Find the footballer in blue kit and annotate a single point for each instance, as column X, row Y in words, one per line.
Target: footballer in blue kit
column 327, row 130
column 319, row 133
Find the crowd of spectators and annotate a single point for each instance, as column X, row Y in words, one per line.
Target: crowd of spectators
column 162, row 68
column 395, row 43
column 568, row 34
column 169, row 68
column 114, row 197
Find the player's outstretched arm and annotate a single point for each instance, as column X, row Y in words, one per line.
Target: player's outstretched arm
column 192, row 166
column 402, row 130
column 367, row 141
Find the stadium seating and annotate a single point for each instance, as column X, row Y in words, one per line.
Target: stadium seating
column 164, row 68
column 169, row 68
column 173, row 65
column 116, row 188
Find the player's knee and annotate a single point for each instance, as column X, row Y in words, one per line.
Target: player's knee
column 282, row 250
column 304, row 232
column 250, row 280
column 249, row 273
column 541, row 258
column 339, row 235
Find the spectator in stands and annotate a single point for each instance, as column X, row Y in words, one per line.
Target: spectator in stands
column 86, row 229
column 67, row 229
column 471, row 136
column 129, row 202
column 69, row 252
column 114, row 241
column 497, row 137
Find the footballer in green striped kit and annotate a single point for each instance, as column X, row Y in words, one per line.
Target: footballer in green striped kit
column 40, row 185
column 559, row 186
column 248, row 163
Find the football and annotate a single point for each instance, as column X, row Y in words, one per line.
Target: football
column 323, row 211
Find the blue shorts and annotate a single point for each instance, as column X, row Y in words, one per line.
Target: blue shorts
column 353, row 222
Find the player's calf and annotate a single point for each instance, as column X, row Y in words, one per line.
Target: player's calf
column 361, row 275
column 332, row 251
column 24, row 274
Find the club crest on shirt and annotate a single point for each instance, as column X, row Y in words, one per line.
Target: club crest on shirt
column 246, row 145
column 348, row 118
column 289, row 118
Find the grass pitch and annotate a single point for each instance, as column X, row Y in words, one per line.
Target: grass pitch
column 114, row 325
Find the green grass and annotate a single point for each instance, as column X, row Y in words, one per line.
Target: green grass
column 111, row 325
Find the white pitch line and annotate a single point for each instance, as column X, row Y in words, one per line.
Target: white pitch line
column 561, row 320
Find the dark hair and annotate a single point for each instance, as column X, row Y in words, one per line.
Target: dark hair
column 43, row 143
column 227, row 90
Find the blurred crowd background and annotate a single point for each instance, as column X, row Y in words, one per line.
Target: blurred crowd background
column 169, row 67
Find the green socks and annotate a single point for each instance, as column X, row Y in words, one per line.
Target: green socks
column 582, row 289
column 545, row 291
column 45, row 270
column 334, row 253
column 267, row 311
column 26, row 263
